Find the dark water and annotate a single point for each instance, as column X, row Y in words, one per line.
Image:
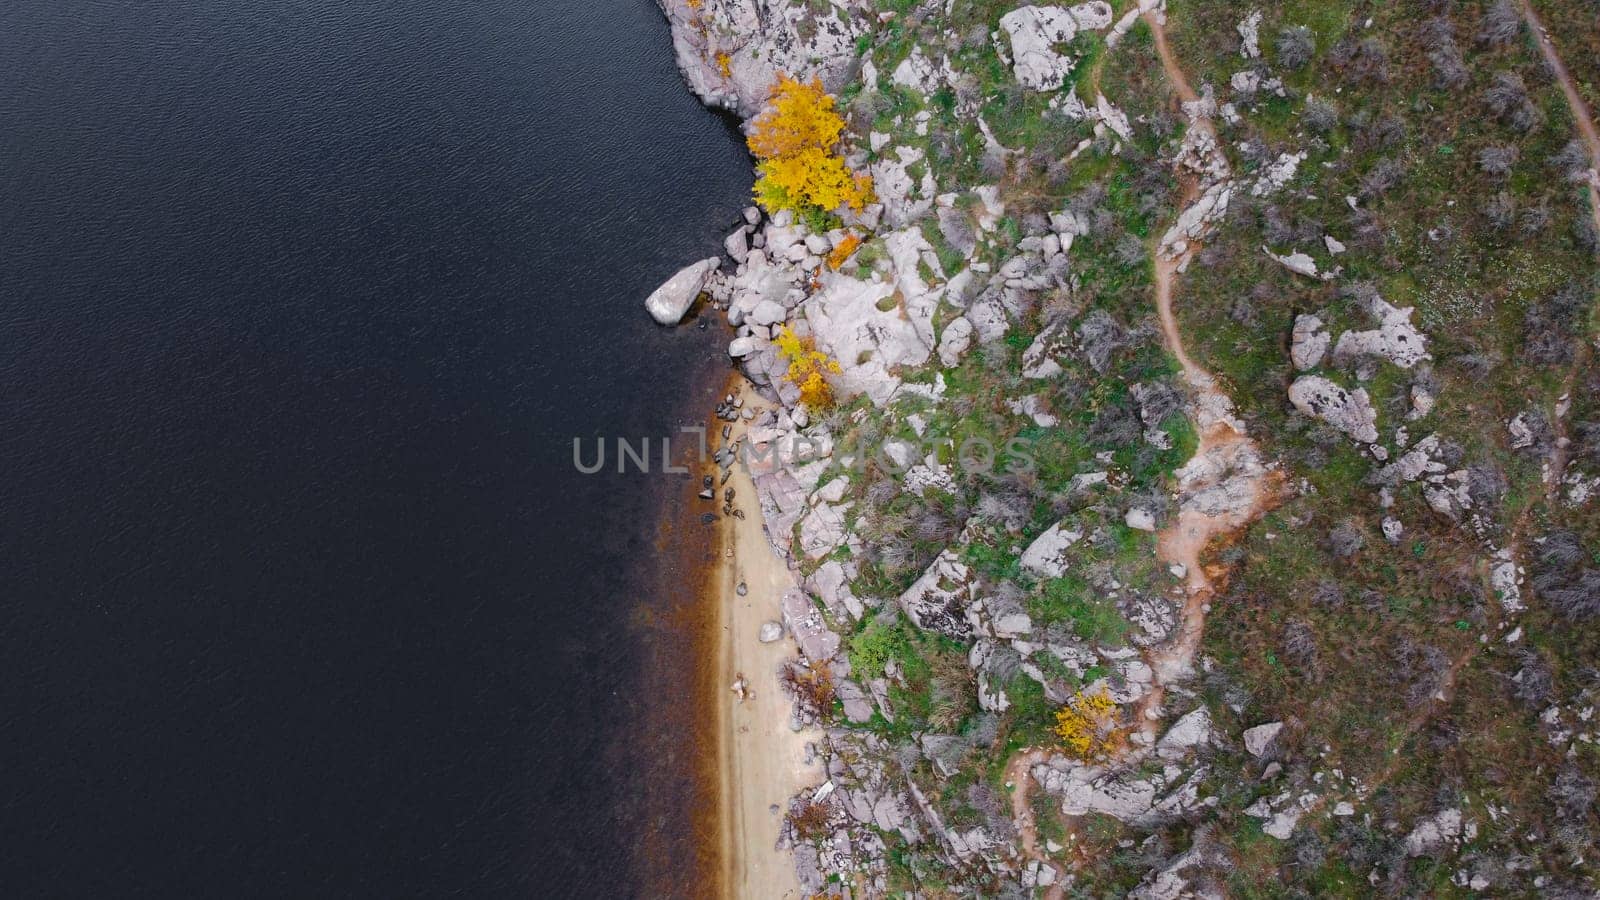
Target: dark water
column 301, row 304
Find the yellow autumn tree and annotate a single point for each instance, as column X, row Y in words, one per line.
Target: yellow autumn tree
column 796, row 140
column 809, row 368
column 1087, row 723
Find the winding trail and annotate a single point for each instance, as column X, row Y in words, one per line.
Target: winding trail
column 1581, row 114
column 1224, row 487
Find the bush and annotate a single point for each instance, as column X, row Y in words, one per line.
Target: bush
column 1507, row 97
column 1501, row 24
column 1295, row 47
column 1320, row 115
column 1496, row 160
column 808, row 369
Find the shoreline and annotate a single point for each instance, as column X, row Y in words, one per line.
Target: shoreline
column 760, row 761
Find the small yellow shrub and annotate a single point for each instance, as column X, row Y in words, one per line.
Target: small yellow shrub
column 808, row 369
column 1087, row 723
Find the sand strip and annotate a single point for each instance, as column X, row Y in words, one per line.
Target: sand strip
column 762, row 760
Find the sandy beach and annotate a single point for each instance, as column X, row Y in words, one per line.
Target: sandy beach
column 762, row 760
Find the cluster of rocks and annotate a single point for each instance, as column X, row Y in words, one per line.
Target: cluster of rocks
column 731, row 51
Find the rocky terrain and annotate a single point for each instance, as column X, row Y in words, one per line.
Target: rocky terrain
column 1228, row 367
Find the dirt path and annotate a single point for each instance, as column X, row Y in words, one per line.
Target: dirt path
column 1580, row 110
column 1169, row 61
column 1019, row 774
column 1225, row 486
column 1590, row 135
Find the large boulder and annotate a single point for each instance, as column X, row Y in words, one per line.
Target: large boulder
column 1036, row 31
column 1395, row 338
column 1349, row 411
column 670, row 302
column 1046, row 556
column 938, row 600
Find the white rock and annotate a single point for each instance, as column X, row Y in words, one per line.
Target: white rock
column 1259, row 738
column 1434, row 832
column 770, row 631
column 1278, row 174
column 1114, row 119
column 1250, row 35
column 1283, row 823
column 731, row 52
column 1309, row 342
column 955, row 341
column 767, row 312
column 671, row 301
column 737, row 244
column 1350, row 412
column 1046, row 556
column 1036, row 30
column 937, row 601
column 1393, row 530
column 1395, row 338
column 1193, row 730
column 1141, row 519
column 1298, row 263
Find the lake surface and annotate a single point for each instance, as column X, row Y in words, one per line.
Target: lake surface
column 301, row 305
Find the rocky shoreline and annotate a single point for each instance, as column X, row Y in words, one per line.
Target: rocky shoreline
column 946, row 620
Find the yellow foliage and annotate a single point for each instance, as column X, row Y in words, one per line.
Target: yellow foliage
column 808, row 368
column 798, row 116
column 843, row 251
column 813, row 177
column 1087, row 723
column 724, row 61
column 796, row 139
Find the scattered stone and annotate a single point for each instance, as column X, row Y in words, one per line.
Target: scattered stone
column 770, row 631
column 1258, row 739
column 1141, row 519
column 1250, row 35
column 1309, row 342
